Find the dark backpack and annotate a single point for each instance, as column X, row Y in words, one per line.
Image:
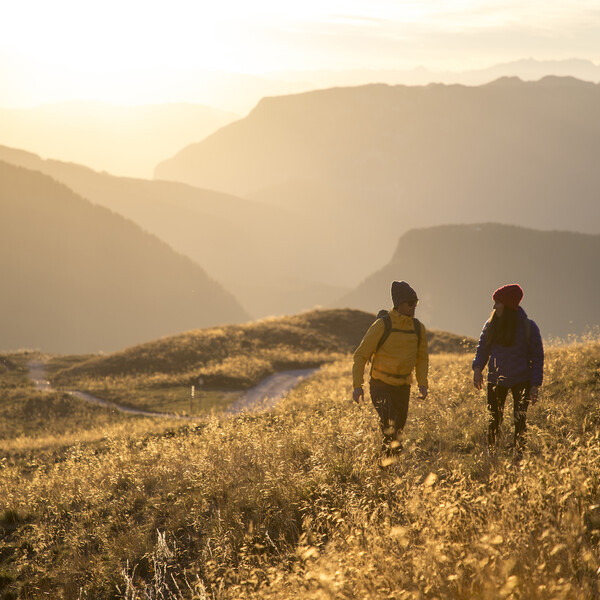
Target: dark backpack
column 387, row 321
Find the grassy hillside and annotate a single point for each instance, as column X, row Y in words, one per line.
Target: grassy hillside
column 157, row 376
column 456, row 268
column 294, row 504
column 80, row 278
column 40, row 426
column 232, row 357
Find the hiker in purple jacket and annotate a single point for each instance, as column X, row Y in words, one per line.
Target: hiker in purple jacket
column 511, row 347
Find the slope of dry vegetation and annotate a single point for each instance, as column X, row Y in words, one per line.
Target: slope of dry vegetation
column 293, row 504
column 39, row 426
column 232, row 357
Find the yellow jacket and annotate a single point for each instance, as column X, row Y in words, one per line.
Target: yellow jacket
column 398, row 356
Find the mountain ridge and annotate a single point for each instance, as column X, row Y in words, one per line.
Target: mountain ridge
column 246, row 245
column 78, row 277
column 456, row 268
column 376, row 161
column 427, row 155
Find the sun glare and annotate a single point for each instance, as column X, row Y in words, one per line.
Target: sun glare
column 121, row 49
column 122, row 35
column 117, row 39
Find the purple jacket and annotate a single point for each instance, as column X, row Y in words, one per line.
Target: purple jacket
column 512, row 365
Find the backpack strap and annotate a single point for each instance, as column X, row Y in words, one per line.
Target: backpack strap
column 387, row 322
column 417, row 325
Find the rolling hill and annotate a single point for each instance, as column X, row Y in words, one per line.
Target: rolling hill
column 456, row 268
column 398, row 157
column 79, row 278
column 240, row 355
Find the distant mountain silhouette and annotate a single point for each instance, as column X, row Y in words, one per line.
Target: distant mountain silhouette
column 123, row 140
column 528, row 69
column 273, row 260
column 456, row 268
column 78, row 278
column 381, row 160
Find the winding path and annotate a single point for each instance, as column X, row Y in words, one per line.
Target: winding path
column 261, row 397
column 269, row 391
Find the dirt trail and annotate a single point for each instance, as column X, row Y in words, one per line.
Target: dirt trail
column 37, row 373
column 261, row 397
column 269, row 391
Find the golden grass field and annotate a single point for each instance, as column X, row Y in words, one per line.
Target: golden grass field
column 293, row 503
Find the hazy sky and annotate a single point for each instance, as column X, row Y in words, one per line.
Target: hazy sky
column 64, row 49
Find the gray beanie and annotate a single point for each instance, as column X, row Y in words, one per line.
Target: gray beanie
column 401, row 292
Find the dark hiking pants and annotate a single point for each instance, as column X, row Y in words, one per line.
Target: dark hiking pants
column 496, row 397
column 391, row 404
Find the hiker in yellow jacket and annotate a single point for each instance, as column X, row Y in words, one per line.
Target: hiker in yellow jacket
column 403, row 350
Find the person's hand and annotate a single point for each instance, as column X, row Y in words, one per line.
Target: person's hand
column 534, row 394
column 358, row 394
column 423, row 392
column 477, row 378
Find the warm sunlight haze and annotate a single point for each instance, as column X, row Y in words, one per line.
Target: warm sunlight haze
column 299, row 300
column 133, row 52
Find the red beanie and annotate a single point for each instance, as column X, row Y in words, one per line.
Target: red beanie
column 509, row 295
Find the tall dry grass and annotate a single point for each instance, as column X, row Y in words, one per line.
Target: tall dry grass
column 294, row 504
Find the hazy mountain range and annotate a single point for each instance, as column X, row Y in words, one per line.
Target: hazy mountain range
column 122, row 140
column 131, row 140
column 273, row 260
column 240, row 92
column 78, row 278
column 498, row 151
column 294, row 205
column 528, row 69
column 456, row 268
column 376, row 161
